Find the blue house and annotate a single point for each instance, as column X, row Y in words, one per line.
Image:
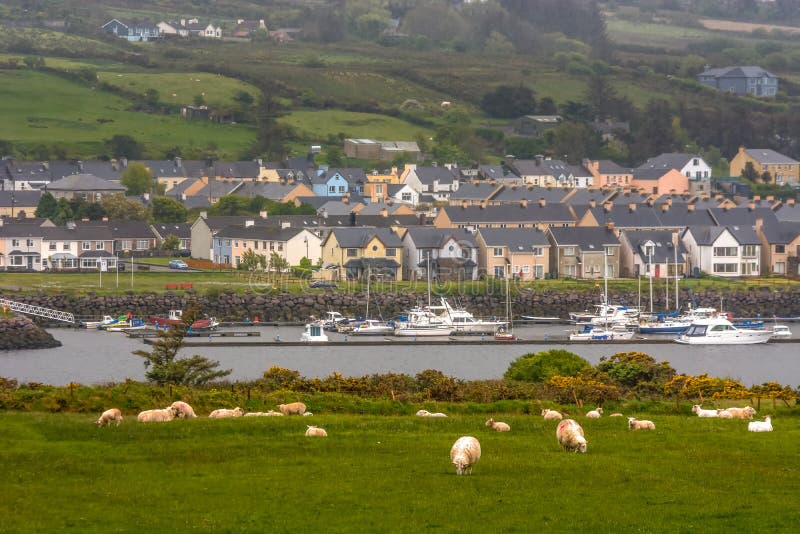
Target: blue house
column 132, row 30
column 338, row 182
column 753, row 81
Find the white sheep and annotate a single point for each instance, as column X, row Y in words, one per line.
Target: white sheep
column 315, row 432
column 307, row 414
column 437, row 414
column 724, row 414
column 498, row 425
column 465, row 453
column 635, row 424
column 294, row 408
column 570, row 435
column 224, row 413
column 704, row 413
column 426, row 413
column 109, row 415
column 551, row 415
column 616, row 414
column 184, row 410
column 760, row 426
column 595, row 414
column 157, row 416
column 737, row 413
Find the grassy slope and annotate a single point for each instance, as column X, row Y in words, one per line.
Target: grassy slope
column 393, row 474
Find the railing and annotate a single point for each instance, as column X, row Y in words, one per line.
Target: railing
column 39, row 311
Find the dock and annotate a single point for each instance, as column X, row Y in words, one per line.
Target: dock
column 150, row 334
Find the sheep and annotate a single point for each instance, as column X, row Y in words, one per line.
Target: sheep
column 315, row 432
column 264, row 414
column 445, row 104
column 157, row 416
column 635, row 424
column 184, row 410
column 109, row 415
column 426, row 413
column 437, row 414
column 497, row 425
column 294, row 408
column 760, row 426
column 570, row 435
column 223, row 413
column 465, row 453
column 595, row 414
column 308, row 414
column 704, row 413
column 551, row 415
column 737, row 413
column 616, row 414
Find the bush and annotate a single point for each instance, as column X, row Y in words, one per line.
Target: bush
column 544, row 365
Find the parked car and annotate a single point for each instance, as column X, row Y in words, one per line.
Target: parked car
column 178, row 264
column 121, row 265
column 184, row 253
column 322, row 284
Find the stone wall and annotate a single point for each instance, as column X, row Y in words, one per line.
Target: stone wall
column 21, row 333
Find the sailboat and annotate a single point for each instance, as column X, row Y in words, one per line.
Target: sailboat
column 419, row 321
column 371, row 327
column 505, row 332
column 595, row 331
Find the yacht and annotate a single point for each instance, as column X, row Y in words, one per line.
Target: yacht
column 463, row 322
column 420, row 321
column 781, row 331
column 600, row 333
column 332, row 320
column 313, row 333
column 372, row 327
column 717, row 330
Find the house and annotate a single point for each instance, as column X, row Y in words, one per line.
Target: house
column 20, row 204
column 660, row 181
column 235, row 170
column 452, row 254
column 606, row 173
column 86, row 186
column 290, row 244
column 246, row 28
column 355, row 251
column 205, row 228
column 380, row 150
column 384, row 209
column 690, row 165
column 753, row 81
column 402, row 194
column 783, row 169
column 627, row 213
column 651, row 253
column 609, row 128
column 514, row 194
column 518, row 253
column 438, row 182
column 339, row 182
column 475, row 193
column 280, row 192
column 729, row 251
column 780, row 241
column 545, row 172
column 183, row 231
column 171, row 172
column 132, row 30
column 535, row 125
column 523, row 215
column 584, row 253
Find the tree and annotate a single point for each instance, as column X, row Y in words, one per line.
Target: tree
column 270, row 134
column 544, row 365
column 137, row 179
column 63, row 212
column 119, row 207
column 766, row 177
column 509, row 102
column 277, row 263
column 749, row 172
column 124, row 146
column 230, row 205
column 199, row 100
column 498, row 44
column 151, row 97
column 171, row 242
column 251, row 261
column 168, row 210
column 575, row 140
column 164, row 367
column 47, row 206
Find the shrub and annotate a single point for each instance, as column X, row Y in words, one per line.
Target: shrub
column 543, row 365
column 637, row 370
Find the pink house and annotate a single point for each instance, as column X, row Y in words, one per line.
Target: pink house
column 660, row 181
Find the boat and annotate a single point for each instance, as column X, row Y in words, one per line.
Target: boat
column 122, row 320
column 175, row 317
column 372, row 327
column 421, row 322
column 313, row 333
column 537, row 319
column 505, row 331
column 781, row 331
column 592, row 332
column 128, row 325
column 333, row 320
column 107, row 320
column 718, row 330
column 463, row 322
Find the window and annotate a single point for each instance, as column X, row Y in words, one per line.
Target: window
column 749, row 251
column 379, row 189
column 52, row 245
column 16, row 260
column 526, row 269
column 227, row 242
column 88, row 263
column 29, row 243
column 126, row 244
column 406, row 197
column 255, row 245
column 66, row 246
column 780, row 249
column 749, row 268
column 236, row 243
column 780, row 268
column 499, row 271
column 569, row 251
column 280, row 246
column 724, row 252
column 538, row 271
column 538, row 251
column 144, row 244
column 724, row 268
column 352, row 252
column 272, row 245
column 332, row 189
column 570, row 270
column 86, row 245
column 98, row 245
column 391, row 252
column 688, row 174
column 341, row 189
column 497, row 251
column 15, row 242
column 609, row 251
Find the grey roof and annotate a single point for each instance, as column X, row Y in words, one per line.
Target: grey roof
column 359, row 237
column 237, row 169
column 606, row 166
column 780, row 232
column 544, row 167
column 707, row 235
column 474, row 191
column 268, row 233
column 375, row 208
column 667, row 161
column 21, row 198
column 551, row 213
column 218, row 222
column 765, row 156
column 83, row 182
column 81, row 231
column 737, row 72
column 680, row 215
column 181, row 230
column 489, row 172
column 531, row 194
column 96, row 254
column 270, row 190
column 663, row 250
column 584, row 195
column 643, row 216
column 350, row 175
column 745, row 235
column 121, row 229
column 437, row 237
column 427, row 175
column 102, row 169
column 585, row 238
column 516, row 239
column 336, row 207
column 649, row 173
column 740, row 216
column 788, row 212
column 378, row 221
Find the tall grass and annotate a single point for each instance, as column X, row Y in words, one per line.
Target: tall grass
column 393, row 474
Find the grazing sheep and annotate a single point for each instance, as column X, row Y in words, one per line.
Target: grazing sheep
column 264, row 414
column 635, row 424
column 316, row 432
column 223, row 413
column 109, row 415
column 437, row 414
column 704, row 413
column 426, row 413
column 551, row 415
column 294, row 408
column 157, row 416
column 737, row 413
column 464, row 453
column 760, row 426
column 616, row 414
column 497, row 425
column 184, row 410
column 595, row 414
column 445, row 104
column 570, row 436
column 307, row 414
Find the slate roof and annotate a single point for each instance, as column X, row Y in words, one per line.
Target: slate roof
column 606, row 166
column 474, row 191
column 545, row 167
column 489, row 172
column 102, row 169
column 780, row 232
column 707, row 235
column 584, row 195
column 663, row 251
column 427, row 175
column 766, row 156
column 359, row 237
column 268, row 233
column 271, row 190
column 83, row 182
column 337, row 207
column 788, row 213
column 21, row 198
column 551, row 213
column 669, row 160
column 123, row 228
column 218, row 222
column 437, row 237
column 585, row 238
column 374, row 208
column 740, row 216
column 531, row 194
column 516, row 239
column 181, row 230
column 378, row 221
column 350, row 175
column 236, row 169
column 643, row 216
column 737, row 72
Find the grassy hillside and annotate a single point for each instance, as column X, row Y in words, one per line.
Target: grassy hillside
column 393, row 474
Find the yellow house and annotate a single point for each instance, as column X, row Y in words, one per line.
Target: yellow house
column 356, row 251
column 393, row 177
column 783, row 169
column 19, row 204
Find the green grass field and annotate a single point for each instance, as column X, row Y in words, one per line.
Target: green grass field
column 393, row 474
column 321, row 124
column 42, row 108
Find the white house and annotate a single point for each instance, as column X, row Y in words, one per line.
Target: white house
column 690, row 165
column 729, row 251
column 453, row 254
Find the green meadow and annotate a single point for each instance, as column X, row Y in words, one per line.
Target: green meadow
column 321, row 124
column 393, row 474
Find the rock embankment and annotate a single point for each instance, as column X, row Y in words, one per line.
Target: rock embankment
column 21, row 333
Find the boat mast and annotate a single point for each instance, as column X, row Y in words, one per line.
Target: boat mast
column 366, row 315
column 675, row 253
column 428, row 264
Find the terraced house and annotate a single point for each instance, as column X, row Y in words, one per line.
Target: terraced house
column 782, row 169
column 354, row 252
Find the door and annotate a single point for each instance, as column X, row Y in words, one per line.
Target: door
column 658, row 271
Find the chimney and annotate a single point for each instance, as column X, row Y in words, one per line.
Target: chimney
column 609, row 224
column 384, row 212
column 592, row 203
column 178, row 162
column 204, row 214
column 183, row 197
column 542, row 202
column 352, row 218
column 669, row 201
column 1, row 222
column 514, row 186
column 463, row 204
column 483, row 204
column 539, row 158
column 690, row 207
column 665, row 207
column 756, row 198
column 718, row 196
column 523, row 203
column 146, row 196
column 70, row 225
column 607, row 206
column 105, row 219
column 345, row 200
column 751, row 206
column 790, row 202
column 263, row 214
column 770, row 198
column 632, row 207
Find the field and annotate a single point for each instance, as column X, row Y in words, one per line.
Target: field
column 43, row 108
column 393, row 474
column 747, row 27
column 324, row 123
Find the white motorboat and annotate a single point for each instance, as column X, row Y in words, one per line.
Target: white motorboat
column 421, row 322
column 332, row 320
column 781, row 331
column 717, row 330
column 313, row 334
column 600, row 333
column 463, row 322
column 372, row 327
column 107, row 320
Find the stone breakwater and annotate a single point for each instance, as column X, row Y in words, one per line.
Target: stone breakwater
column 21, row 333
column 228, row 306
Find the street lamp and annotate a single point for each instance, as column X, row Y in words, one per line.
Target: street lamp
column 305, row 240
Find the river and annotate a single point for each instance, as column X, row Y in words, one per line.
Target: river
column 92, row 357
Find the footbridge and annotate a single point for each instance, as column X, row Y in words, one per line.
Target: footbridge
column 39, row 311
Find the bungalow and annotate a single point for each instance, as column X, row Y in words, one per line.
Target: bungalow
column 132, row 30
column 86, row 186
column 519, row 253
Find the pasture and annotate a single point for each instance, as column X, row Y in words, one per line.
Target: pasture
column 393, row 474
column 323, row 123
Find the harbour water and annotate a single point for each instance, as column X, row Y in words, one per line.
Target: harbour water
column 92, row 357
